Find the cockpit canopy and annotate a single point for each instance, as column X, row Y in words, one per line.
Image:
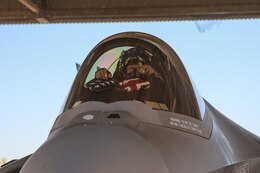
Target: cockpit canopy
column 136, row 67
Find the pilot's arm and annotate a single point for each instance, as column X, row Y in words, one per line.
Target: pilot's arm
column 102, row 81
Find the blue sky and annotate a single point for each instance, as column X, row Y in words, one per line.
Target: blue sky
column 38, row 68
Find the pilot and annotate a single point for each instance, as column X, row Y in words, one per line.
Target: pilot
column 133, row 72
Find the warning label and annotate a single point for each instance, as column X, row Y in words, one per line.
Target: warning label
column 184, row 124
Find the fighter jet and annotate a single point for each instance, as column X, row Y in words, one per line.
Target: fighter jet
column 133, row 108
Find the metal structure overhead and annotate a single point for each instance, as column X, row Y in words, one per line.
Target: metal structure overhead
column 67, row 11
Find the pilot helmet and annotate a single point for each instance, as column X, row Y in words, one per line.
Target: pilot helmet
column 134, row 56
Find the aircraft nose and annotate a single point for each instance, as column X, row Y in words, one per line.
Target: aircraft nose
column 96, row 149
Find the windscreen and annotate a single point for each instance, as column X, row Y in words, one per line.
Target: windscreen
column 137, row 72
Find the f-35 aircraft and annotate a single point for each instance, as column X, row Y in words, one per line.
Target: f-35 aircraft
column 133, row 108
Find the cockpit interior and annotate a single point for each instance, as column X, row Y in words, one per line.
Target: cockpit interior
column 139, row 68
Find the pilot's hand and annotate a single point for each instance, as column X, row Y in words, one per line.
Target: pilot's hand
column 149, row 71
column 103, row 73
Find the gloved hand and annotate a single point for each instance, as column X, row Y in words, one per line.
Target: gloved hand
column 103, row 73
column 148, row 70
